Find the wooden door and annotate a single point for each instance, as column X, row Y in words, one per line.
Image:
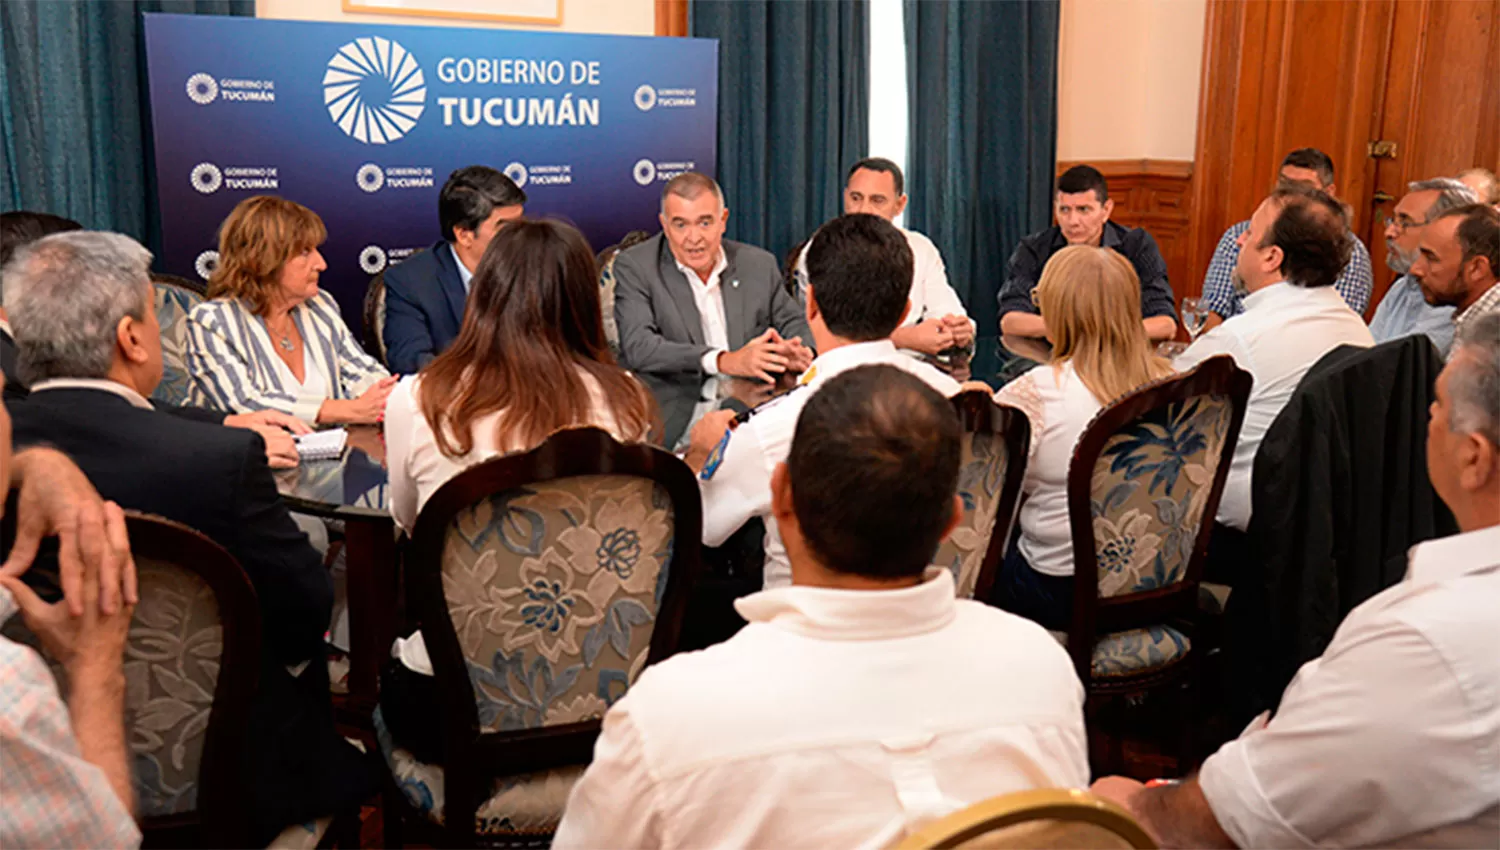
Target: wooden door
column 1336, row 75
column 1441, row 104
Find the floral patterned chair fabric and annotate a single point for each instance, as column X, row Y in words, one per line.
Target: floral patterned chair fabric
column 374, row 317
column 553, row 590
column 1147, row 496
column 171, row 669
column 173, row 303
column 607, row 300
column 1148, row 491
column 981, row 474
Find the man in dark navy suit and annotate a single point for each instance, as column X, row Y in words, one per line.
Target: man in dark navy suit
column 424, row 296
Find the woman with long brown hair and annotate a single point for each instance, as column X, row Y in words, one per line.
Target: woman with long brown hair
column 530, row 359
column 1090, row 298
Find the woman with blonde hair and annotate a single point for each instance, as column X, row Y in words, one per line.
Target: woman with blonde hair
column 268, row 338
column 530, row 359
column 1090, row 298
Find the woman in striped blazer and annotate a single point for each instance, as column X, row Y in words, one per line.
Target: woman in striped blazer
column 268, row 338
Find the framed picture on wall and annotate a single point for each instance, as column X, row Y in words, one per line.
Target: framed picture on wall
column 510, row 11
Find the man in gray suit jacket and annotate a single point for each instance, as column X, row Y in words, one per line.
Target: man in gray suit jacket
column 690, row 304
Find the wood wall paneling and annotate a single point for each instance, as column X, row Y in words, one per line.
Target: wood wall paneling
column 1156, row 195
column 1284, row 74
column 671, row 17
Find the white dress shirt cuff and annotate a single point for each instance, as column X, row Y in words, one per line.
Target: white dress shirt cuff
column 1238, row 801
column 711, row 361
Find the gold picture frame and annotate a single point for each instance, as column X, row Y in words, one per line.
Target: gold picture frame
column 461, row 10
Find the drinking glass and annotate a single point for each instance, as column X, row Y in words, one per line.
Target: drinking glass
column 1194, row 317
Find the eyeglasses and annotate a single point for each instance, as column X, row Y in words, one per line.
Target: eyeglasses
column 1403, row 224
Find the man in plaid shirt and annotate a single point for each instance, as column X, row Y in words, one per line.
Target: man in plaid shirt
column 1220, row 297
column 64, row 769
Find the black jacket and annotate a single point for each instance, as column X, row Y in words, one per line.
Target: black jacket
column 216, row 480
column 1340, row 492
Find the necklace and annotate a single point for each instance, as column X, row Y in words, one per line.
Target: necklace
column 285, row 340
column 286, row 343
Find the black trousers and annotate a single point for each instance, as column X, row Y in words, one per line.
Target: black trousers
column 409, row 706
column 1021, row 590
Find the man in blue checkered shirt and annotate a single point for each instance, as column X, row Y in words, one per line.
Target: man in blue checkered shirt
column 1220, row 298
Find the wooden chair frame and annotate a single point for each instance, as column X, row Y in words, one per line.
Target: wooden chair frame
column 979, row 414
column 473, row 759
column 220, row 819
column 197, row 287
column 370, row 313
column 1024, row 806
column 1092, row 615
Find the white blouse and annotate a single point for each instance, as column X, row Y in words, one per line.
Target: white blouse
column 1059, row 406
column 418, row 469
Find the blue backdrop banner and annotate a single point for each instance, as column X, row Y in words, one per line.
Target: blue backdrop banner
column 363, row 123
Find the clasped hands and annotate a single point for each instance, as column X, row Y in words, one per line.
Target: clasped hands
column 766, row 356
column 935, row 335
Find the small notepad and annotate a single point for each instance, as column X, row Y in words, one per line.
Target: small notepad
column 322, row 445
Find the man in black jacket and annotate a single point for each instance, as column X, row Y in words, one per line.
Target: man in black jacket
column 80, row 304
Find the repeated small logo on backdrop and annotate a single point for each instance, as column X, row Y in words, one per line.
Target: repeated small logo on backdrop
column 540, row 175
column 203, row 89
column 645, row 98
column 648, row 97
column 648, row 171
column 209, row 178
column 374, row 90
column 375, row 259
column 206, row 264
column 517, row 173
column 372, row 178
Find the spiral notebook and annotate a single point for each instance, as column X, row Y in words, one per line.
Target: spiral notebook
column 322, row 445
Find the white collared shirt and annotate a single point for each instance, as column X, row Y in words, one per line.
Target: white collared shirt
column 836, row 718
column 740, row 486
column 709, row 298
column 1284, row 330
column 130, row 395
column 1392, row 737
column 463, row 271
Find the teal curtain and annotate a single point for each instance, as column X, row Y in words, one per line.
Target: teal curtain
column 793, row 106
column 74, row 129
column 982, row 94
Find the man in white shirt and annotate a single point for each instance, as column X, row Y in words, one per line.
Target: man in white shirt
column 1296, row 246
column 864, row 700
column 937, row 320
column 1392, row 737
column 860, row 271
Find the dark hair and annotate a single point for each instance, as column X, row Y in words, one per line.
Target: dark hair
column 471, row 194
column 1313, row 160
column 873, row 469
column 880, row 163
column 859, row 268
column 1083, row 178
column 23, row 227
column 1478, row 233
column 1313, row 234
column 532, row 325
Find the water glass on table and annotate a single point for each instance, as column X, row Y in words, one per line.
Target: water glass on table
column 1194, row 318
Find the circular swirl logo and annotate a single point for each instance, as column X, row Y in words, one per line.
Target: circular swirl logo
column 370, row 177
column 517, row 174
column 372, row 259
column 202, row 89
column 206, row 264
column 644, row 172
column 645, row 98
column 206, row 178
column 374, row 90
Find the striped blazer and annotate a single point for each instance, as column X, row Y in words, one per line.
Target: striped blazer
column 232, row 360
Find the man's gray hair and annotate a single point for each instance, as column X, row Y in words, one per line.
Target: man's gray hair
column 1452, row 194
column 689, row 185
column 1474, row 379
column 65, row 295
